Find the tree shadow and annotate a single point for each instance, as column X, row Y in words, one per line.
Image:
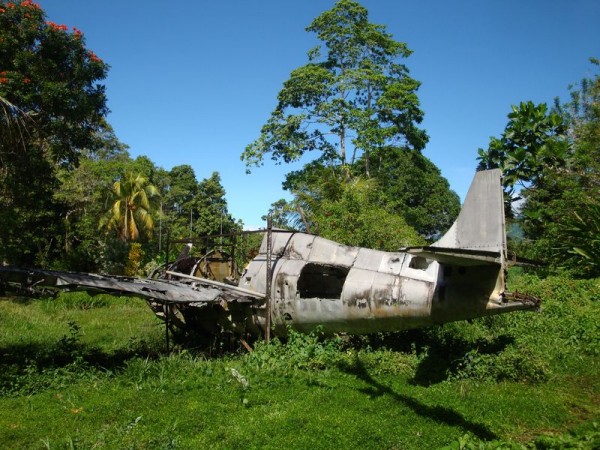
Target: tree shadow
column 443, row 358
column 21, row 363
column 439, row 414
column 24, row 364
column 440, row 350
column 59, row 355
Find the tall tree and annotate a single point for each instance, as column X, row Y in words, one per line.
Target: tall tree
column 352, row 100
column 52, row 107
column 178, row 200
column 561, row 212
column 352, row 97
column 533, row 140
column 211, row 208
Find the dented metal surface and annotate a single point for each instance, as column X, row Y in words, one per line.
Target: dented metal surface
column 318, row 282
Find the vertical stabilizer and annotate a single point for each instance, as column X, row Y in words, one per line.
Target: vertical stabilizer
column 480, row 224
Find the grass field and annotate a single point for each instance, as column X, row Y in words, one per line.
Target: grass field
column 92, row 372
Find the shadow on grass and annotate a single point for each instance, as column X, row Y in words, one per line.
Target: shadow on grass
column 29, row 368
column 440, row 349
column 33, row 367
column 440, row 414
column 58, row 355
column 443, row 358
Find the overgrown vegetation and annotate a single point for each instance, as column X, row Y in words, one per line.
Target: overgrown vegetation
column 88, row 372
column 62, row 166
column 550, row 160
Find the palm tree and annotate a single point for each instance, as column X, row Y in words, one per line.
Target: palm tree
column 130, row 212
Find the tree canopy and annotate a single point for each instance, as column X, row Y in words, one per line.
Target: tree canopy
column 533, row 141
column 52, row 107
column 412, row 187
column 355, row 105
column 357, row 218
column 553, row 158
column 353, row 96
column 52, row 79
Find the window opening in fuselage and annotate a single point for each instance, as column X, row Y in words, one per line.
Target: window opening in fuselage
column 322, row 281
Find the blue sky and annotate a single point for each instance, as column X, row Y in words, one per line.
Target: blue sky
column 192, row 82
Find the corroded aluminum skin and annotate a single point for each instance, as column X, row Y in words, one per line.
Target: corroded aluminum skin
column 383, row 291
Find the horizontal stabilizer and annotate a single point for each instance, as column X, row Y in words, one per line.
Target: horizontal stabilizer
column 456, row 257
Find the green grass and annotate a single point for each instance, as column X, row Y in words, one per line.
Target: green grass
column 81, row 372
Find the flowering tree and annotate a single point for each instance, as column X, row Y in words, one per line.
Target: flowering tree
column 51, row 107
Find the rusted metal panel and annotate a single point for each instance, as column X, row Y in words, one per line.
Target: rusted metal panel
column 300, row 246
column 279, row 242
column 419, row 269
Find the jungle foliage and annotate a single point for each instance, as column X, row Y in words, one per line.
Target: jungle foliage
column 353, row 105
column 70, row 194
column 89, row 200
column 52, row 106
column 551, row 160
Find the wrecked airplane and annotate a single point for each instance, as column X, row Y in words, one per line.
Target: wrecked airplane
column 303, row 281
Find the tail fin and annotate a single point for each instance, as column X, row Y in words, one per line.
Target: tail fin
column 480, row 224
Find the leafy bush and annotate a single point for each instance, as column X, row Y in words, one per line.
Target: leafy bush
column 512, row 364
column 301, row 351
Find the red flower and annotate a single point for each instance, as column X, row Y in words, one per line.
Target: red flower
column 56, row 27
column 30, row 4
column 93, row 56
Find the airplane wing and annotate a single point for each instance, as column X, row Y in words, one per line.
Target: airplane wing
column 189, row 290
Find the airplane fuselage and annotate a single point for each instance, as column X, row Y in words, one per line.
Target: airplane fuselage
column 317, row 282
